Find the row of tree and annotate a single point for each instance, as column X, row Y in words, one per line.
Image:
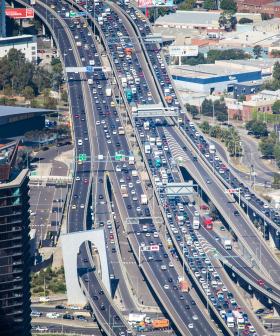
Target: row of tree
column 18, row 76
column 257, row 128
column 229, row 136
column 216, row 109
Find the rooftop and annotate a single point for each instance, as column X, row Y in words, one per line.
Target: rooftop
column 189, row 17
column 208, row 70
column 6, row 111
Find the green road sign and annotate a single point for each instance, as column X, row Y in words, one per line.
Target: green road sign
column 82, row 157
column 119, row 157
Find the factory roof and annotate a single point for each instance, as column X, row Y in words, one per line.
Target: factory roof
column 189, row 17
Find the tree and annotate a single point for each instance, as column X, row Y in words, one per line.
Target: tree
column 276, row 71
column 194, row 60
column 210, row 4
column 205, row 127
column 228, row 5
column 228, row 54
column 221, row 111
column 275, row 53
column 276, row 107
column 28, row 92
column 245, row 20
column 257, row 51
column 258, row 128
column 187, row 5
column 266, row 146
column 207, row 107
column 276, row 153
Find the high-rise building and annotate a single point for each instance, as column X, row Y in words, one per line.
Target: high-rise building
column 2, row 19
column 15, row 261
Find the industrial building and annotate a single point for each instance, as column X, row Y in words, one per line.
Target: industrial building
column 27, row 44
column 15, row 259
column 15, row 121
column 212, row 78
column 189, row 20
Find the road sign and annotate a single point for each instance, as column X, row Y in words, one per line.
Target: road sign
column 89, row 68
column 82, row 157
column 232, row 191
column 154, row 248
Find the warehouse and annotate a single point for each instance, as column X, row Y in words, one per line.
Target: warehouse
column 15, row 120
column 212, row 78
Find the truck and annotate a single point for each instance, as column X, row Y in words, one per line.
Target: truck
column 52, row 315
column 183, row 284
column 120, row 130
column 136, row 318
column 124, row 82
column 208, row 222
column 108, row 92
column 124, row 191
column 160, row 324
column 212, row 148
column 227, row 244
column 230, row 320
column 147, row 149
column 144, row 199
column 196, row 223
column 131, row 160
column 128, row 94
column 168, row 99
column 146, row 125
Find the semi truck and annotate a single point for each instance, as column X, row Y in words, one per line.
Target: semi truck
column 227, row 244
column 144, row 199
column 136, row 318
column 160, row 324
column 230, row 320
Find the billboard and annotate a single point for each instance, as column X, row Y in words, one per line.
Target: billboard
column 20, row 13
column 155, row 3
column 183, row 50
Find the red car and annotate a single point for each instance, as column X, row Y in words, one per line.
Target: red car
column 260, row 282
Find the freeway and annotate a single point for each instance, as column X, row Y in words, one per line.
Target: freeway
column 116, row 62
column 259, row 208
column 105, row 312
column 245, row 231
column 159, row 278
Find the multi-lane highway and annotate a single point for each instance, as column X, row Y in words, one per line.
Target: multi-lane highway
column 142, row 78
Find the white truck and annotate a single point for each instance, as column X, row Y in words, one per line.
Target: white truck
column 227, row 244
column 124, row 82
column 144, row 199
column 131, row 160
column 136, row 318
column 196, row 223
column 212, row 148
column 108, row 92
column 147, row 148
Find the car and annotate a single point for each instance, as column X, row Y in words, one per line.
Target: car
column 74, row 206
column 193, row 303
column 36, row 313
column 60, row 307
column 166, row 286
column 195, row 317
column 236, row 213
column 190, row 325
column 68, row 317
column 100, row 196
column 222, row 228
column 187, row 306
column 260, row 282
column 42, row 328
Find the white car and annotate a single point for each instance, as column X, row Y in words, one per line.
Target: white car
column 166, row 286
column 74, row 206
column 195, row 317
column 190, row 325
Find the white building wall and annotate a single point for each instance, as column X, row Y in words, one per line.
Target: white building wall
column 28, row 49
